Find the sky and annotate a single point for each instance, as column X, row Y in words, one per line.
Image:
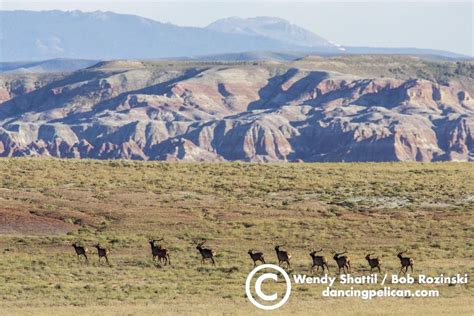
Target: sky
column 436, row 24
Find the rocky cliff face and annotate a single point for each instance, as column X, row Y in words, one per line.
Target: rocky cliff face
column 315, row 109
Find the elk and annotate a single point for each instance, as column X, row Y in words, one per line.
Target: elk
column 373, row 262
column 283, row 256
column 206, row 253
column 343, row 262
column 405, row 262
column 102, row 252
column 80, row 251
column 318, row 261
column 159, row 252
column 256, row 256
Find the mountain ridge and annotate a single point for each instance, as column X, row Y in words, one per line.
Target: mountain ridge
column 45, row 66
column 40, row 35
column 348, row 108
column 31, row 35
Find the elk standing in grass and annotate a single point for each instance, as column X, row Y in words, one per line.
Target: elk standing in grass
column 318, row 261
column 405, row 262
column 373, row 262
column 206, row 253
column 256, row 256
column 102, row 252
column 80, row 251
column 283, row 256
column 343, row 262
column 159, row 252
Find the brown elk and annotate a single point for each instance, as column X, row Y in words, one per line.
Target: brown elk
column 206, row 253
column 256, row 256
column 283, row 256
column 373, row 262
column 405, row 262
column 318, row 261
column 343, row 262
column 80, row 251
column 159, row 252
column 102, row 252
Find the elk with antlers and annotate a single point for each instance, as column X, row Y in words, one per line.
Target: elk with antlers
column 256, row 256
column 373, row 262
column 283, row 256
column 343, row 262
column 405, row 262
column 318, row 261
column 159, row 252
column 102, row 252
column 206, row 253
column 80, row 251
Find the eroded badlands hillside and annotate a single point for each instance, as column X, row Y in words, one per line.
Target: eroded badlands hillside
column 354, row 108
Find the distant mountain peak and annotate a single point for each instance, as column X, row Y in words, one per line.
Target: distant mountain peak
column 255, row 20
column 40, row 35
column 272, row 27
column 28, row 36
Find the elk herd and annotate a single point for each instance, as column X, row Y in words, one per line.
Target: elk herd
column 343, row 262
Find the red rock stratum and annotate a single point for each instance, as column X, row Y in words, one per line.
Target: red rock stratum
column 355, row 108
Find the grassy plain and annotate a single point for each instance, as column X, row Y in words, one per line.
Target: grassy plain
column 45, row 205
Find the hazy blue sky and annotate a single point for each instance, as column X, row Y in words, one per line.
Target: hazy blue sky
column 446, row 25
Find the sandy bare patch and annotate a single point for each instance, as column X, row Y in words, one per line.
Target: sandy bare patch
column 23, row 222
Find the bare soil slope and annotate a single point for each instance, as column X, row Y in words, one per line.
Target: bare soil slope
column 353, row 108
